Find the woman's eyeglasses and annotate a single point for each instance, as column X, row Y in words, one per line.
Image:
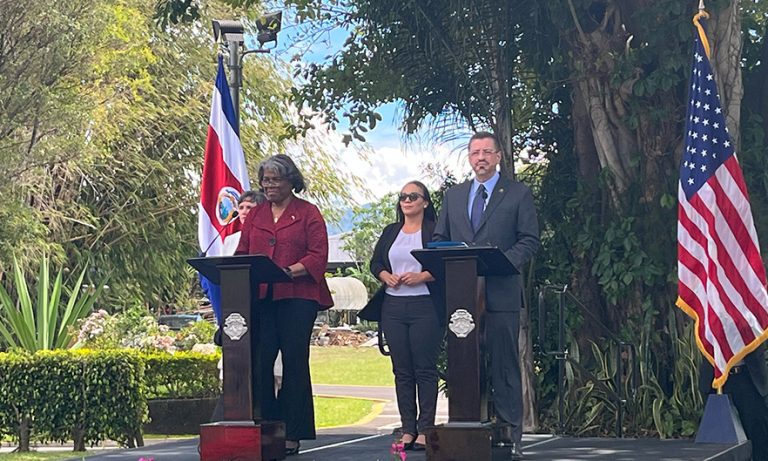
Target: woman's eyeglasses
column 412, row 197
column 275, row 181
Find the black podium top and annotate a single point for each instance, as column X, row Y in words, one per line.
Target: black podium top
column 263, row 267
column 490, row 260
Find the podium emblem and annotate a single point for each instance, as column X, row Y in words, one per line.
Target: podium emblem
column 234, row 326
column 461, row 323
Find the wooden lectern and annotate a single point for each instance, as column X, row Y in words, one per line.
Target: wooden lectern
column 242, row 434
column 468, row 433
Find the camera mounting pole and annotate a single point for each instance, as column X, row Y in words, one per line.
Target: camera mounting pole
column 232, row 37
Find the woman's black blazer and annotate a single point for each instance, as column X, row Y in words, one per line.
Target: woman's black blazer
column 380, row 262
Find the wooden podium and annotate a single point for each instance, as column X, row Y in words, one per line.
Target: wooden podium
column 468, row 433
column 242, row 434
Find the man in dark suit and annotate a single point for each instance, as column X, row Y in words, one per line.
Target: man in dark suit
column 493, row 210
column 747, row 386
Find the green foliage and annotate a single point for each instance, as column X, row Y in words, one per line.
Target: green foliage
column 591, row 82
column 43, row 320
column 621, row 261
column 446, row 61
column 136, row 329
column 200, row 332
column 102, row 136
column 181, row 375
column 591, row 397
column 91, row 396
column 369, row 221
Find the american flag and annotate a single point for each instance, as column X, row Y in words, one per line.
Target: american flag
column 721, row 275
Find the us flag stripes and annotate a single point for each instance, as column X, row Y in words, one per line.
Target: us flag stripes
column 721, row 275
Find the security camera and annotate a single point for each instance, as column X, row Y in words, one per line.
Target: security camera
column 268, row 27
column 229, row 30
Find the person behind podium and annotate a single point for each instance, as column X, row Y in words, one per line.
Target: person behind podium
column 291, row 231
column 248, row 199
column 410, row 319
column 747, row 385
column 493, row 210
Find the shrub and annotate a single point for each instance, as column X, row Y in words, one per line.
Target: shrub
column 136, row 329
column 85, row 396
column 181, row 375
column 200, row 332
column 41, row 318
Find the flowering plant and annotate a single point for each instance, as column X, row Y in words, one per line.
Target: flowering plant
column 398, row 451
column 136, row 329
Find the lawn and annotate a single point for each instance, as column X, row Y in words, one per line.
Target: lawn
column 43, row 455
column 352, row 366
column 338, row 411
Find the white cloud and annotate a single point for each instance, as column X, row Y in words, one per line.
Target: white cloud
column 388, row 168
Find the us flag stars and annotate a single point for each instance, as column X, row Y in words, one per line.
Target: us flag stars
column 705, row 128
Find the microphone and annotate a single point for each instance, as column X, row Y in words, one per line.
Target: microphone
column 231, row 220
column 485, row 195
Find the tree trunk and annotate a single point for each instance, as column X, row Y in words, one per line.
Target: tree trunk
column 502, row 126
column 78, row 438
column 726, row 42
column 530, row 413
column 24, row 430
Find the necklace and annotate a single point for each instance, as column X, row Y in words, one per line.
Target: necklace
column 276, row 213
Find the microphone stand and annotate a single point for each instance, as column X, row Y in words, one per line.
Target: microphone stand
column 218, row 234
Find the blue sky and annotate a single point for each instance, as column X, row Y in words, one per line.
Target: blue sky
column 393, row 160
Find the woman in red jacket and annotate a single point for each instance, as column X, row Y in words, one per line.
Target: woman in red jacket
column 292, row 233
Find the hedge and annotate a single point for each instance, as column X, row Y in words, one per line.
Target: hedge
column 181, row 375
column 91, row 396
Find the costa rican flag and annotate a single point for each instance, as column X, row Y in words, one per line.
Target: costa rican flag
column 224, row 180
column 721, row 275
column 224, row 175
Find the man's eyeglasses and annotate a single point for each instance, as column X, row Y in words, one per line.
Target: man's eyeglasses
column 412, row 197
column 485, row 152
column 267, row 181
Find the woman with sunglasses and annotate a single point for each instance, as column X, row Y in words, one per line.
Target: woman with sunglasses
column 292, row 233
column 410, row 318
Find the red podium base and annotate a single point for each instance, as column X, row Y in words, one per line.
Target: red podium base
column 242, row 440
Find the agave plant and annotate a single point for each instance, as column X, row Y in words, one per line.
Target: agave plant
column 43, row 322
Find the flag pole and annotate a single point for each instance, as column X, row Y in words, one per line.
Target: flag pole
column 702, row 14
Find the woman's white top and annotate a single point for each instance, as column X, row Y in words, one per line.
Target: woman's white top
column 402, row 261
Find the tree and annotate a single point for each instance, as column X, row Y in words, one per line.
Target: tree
column 599, row 86
column 110, row 172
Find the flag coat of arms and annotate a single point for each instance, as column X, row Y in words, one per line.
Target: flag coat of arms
column 720, row 271
column 224, row 179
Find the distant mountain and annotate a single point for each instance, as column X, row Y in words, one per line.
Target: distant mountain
column 344, row 225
